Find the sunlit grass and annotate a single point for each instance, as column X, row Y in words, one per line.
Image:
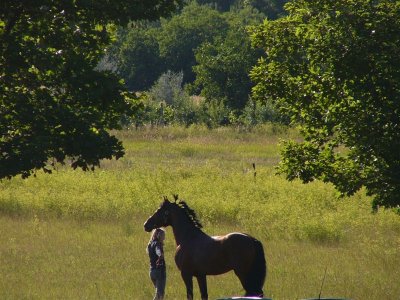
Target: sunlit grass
column 75, row 235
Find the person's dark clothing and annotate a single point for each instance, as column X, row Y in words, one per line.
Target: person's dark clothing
column 156, row 254
column 157, row 268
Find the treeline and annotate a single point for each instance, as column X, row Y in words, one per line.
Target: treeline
column 194, row 66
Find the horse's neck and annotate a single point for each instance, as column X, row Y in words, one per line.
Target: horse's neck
column 184, row 230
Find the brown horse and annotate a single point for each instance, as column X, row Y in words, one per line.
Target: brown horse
column 198, row 254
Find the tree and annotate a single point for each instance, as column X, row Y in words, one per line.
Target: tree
column 272, row 9
column 167, row 87
column 223, row 66
column 54, row 104
column 168, row 93
column 221, row 5
column 182, row 34
column 334, row 68
column 139, row 61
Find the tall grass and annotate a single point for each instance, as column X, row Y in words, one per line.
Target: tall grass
column 73, row 234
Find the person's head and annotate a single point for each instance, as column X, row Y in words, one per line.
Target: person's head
column 158, row 234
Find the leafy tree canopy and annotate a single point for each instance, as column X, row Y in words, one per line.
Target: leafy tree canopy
column 223, row 65
column 334, row 68
column 139, row 61
column 271, row 8
column 54, row 104
column 183, row 33
column 144, row 50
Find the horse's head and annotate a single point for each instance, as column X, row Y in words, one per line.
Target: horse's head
column 161, row 218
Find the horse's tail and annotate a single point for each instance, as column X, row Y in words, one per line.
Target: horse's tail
column 258, row 271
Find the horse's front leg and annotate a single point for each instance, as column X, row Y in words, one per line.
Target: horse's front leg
column 202, row 280
column 188, row 279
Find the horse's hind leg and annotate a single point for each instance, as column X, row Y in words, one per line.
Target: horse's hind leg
column 248, row 286
column 202, row 280
column 242, row 278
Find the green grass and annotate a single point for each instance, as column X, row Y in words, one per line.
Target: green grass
column 76, row 235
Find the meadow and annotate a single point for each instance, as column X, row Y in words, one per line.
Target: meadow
column 79, row 235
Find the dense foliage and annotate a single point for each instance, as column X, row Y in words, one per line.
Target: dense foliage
column 207, row 44
column 180, row 36
column 54, row 104
column 222, row 70
column 272, row 9
column 138, row 51
column 334, row 68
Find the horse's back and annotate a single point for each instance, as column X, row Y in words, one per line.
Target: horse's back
column 238, row 239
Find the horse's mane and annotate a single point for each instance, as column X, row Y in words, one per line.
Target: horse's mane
column 190, row 213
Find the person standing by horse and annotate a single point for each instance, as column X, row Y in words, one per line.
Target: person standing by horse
column 199, row 255
column 155, row 249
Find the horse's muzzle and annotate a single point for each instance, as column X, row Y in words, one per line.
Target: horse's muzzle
column 147, row 226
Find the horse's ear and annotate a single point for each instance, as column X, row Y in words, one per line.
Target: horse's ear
column 175, row 197
column 165, row 198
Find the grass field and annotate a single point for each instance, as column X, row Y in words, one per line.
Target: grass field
column 76, row 235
